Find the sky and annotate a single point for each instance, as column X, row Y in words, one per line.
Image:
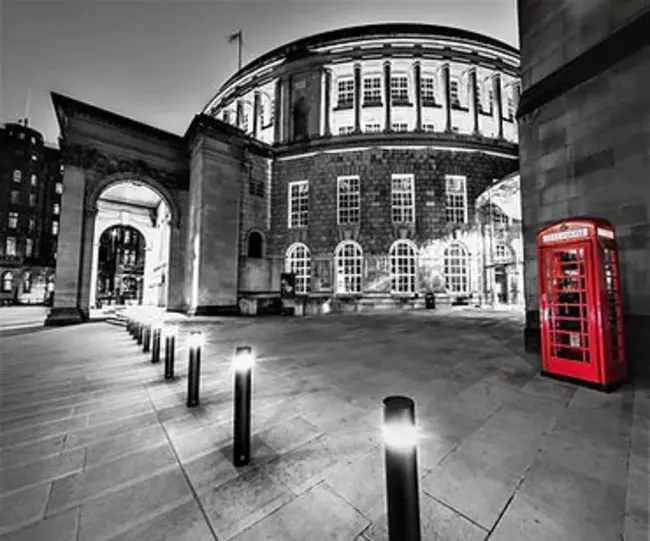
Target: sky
column 160, row 61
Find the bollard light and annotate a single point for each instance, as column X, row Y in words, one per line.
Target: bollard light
column 243, row 363
column 170, row 346
column 139, row 335
column 146, row 340
column 195, row 343
column 155, row 347
column 402, row 492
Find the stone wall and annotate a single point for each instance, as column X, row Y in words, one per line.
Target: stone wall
column 376, row 231
column 586, row 152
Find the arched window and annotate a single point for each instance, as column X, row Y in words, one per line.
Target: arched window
column 298, row 262
column 27, row 282
column 502, row 253
column 402, row 267
column 255, row 244
column 493, row 214
column 348, row 258
column 456, row 269
column 7, row 282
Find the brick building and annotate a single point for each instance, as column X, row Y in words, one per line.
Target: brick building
column 30, row 205
column 584, row 117
column 355, row 159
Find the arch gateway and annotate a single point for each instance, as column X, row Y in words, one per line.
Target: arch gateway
column 184, row 192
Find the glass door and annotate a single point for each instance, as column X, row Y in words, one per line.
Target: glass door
column 570, row 345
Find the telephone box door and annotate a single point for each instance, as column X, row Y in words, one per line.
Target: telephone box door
column 568, row 341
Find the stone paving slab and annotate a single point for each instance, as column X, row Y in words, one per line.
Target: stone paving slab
column 95, row 445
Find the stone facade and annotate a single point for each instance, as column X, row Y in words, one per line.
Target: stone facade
column 585, row 139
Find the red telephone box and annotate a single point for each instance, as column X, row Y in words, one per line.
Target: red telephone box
column 580, row 304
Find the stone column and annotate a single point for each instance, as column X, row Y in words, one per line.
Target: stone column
column 215, row 195
column 286, row 109
column 240, row 113
column 446, row 88
column 357, row 98
column 94, row 269
column 67, row 279
column 497, row 102
column 418, row 95
column 256, row 115
column 473, row 99
column 516, row 97
column 87, row 260
column 328, row 102
column 277, row 112
column 388, row 126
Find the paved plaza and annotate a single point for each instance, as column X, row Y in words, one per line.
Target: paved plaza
column 95, row 445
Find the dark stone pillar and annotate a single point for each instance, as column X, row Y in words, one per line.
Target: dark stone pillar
column 357, row 98
column 447, row 90
column 240, row 113
column 328, row 100
column 516, row 97
column 473, row 99
column 498, row 102
column 277, row 112
column 418, row 95
column 256, row 114
column 387, row 76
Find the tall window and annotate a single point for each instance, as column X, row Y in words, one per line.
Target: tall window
column 56, row 209
column 399, row 89
column 348, row 259
column 510, row 108
column 298, row 262
column 403, row 198
column 402, row 267
column 492, row 214
column 299, row 203
column 428, row 88
column 456, row 269
column 345, row 93
column 33, row 179
column 13, row 220
column 29, row 247
column 59, row 187
column 31, row 225
column 15, row 197
column 372, row 91
column 10, row 246
column 55, row 228
column 27, row 282
column 7, row 282
column 18, row 175
column 349, row 199
column 456, row 199
column 454, row 92
column 32, row 199
column 502, row 253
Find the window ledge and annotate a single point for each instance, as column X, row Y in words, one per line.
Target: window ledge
column 370, row 105
column 401, row 104
column 344, row 107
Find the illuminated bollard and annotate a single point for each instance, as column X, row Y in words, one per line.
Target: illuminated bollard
column 243, row 366
column 170, row 345
column 194, row 372
column 139, row 335
column 146, row 340
column 402, row 492
column 155, row 347
column 128, row 325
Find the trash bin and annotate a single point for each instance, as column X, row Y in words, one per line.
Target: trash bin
column 429, row 301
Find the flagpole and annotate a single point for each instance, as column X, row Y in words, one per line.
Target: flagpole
column 239, row 47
